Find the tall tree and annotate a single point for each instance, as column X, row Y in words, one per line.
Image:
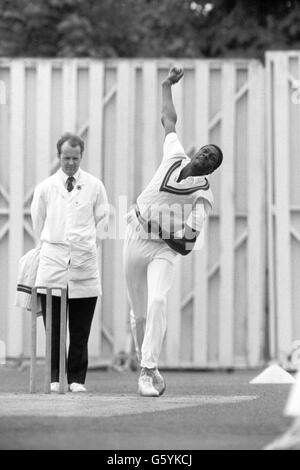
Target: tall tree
column 12, row 28
column 147, row 28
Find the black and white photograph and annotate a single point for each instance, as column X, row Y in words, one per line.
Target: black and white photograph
column 149, row 227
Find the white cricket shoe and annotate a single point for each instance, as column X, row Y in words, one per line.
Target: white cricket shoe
column 54, row 387
column 158, row 381
column 145, row 386
column 77, row 388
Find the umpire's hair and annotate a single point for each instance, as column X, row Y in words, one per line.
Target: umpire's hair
column 73, row 139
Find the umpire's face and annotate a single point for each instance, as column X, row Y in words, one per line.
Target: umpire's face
column 70, row 158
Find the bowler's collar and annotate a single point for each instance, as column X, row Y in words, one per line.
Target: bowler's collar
column 191, row 180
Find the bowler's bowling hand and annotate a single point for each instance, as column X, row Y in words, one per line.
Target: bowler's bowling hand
column 175, row 74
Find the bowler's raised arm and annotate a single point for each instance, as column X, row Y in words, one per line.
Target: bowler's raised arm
column 168, row 114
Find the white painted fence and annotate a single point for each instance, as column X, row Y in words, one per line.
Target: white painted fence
column 216, row 309
column 283, row 86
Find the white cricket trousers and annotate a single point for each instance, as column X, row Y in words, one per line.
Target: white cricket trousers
column 149, row 271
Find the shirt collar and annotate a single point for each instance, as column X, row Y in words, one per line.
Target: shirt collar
column 64, row 176
column 190, row 179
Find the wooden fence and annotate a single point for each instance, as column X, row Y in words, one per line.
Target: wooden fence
column 217, row 308
column 283, row 108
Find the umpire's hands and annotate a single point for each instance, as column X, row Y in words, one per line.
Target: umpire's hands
column 175, row 74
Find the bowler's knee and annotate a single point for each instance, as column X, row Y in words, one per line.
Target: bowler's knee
column 159, row 303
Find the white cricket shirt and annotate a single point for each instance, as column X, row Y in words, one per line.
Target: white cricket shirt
column 173, row 204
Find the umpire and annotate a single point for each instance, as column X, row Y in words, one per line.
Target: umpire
column 68, row 211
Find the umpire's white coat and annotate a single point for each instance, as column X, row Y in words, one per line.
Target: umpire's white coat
column 68, row 225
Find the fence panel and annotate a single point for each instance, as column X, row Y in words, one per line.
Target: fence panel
column 283, row 119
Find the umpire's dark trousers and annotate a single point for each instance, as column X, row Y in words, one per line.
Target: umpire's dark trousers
column 80, row 316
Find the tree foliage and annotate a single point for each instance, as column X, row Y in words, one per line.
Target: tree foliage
column 147, row 28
